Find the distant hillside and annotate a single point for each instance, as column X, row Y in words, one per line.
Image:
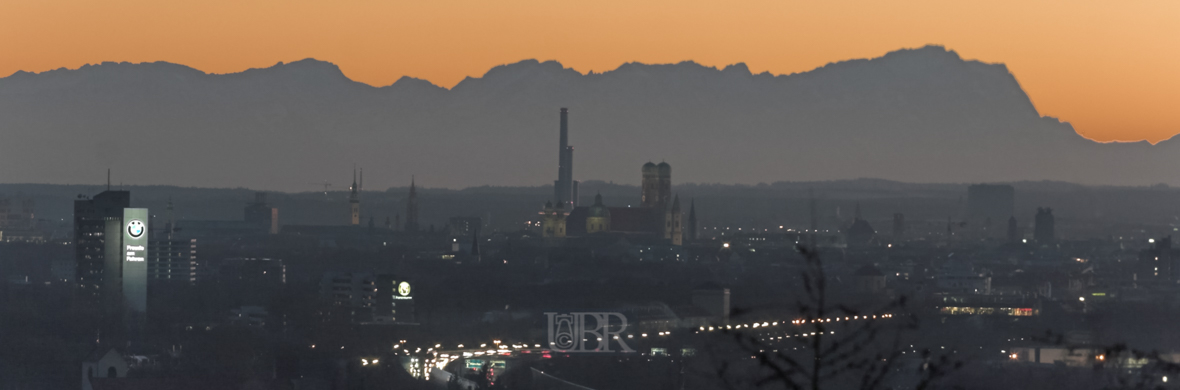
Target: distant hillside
column 921, row 115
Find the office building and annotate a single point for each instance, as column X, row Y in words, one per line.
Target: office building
column 98, row 224
column 19, row 223
column 1044, row 231
column 368, row 298
column 260, row 215
column 172, row 261
column 463, row 227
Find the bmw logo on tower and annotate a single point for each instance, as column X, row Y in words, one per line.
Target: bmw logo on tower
column 135, row 228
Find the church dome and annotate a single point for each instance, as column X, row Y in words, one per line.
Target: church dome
column 664, row 169
column 598, row 210
column 650, row 169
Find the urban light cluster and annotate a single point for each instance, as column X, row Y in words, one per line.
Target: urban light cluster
column 796, row 322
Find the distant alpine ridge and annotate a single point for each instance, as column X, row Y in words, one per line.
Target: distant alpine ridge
column 915, row 115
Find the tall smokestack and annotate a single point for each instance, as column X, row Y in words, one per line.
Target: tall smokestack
column 565, row 129
column 563, row 188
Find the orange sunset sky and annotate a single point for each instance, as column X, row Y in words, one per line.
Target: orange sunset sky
column 1111, row 68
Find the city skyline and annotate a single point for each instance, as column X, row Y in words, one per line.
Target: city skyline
column 766, row 194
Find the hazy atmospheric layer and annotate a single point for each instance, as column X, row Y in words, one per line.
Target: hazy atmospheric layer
column 922, row 115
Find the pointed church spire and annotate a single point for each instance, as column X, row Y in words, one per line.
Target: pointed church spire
column 354, row 202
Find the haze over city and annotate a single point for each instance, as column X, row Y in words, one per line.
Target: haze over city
column 527, row 195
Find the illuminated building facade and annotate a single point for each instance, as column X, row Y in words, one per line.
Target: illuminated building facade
column 172, row 260
column 987, row 305
column 1157, row 263
column 18, row 223
column 655, row 217
column 134, row 249
column 598, row 217
column 553, row 221
column 367, row 298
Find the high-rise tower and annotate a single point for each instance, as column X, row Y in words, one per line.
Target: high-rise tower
column 111, row 247
column 354, row 200
column 259, row 215
column 98, row 224
column 565, row 189
column 692, row 221
column 1043, row 231
column 412, row 208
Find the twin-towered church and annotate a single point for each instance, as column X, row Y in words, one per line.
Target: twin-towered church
column 659, row 213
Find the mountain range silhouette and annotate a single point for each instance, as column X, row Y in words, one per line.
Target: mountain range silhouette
column 915, row 115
